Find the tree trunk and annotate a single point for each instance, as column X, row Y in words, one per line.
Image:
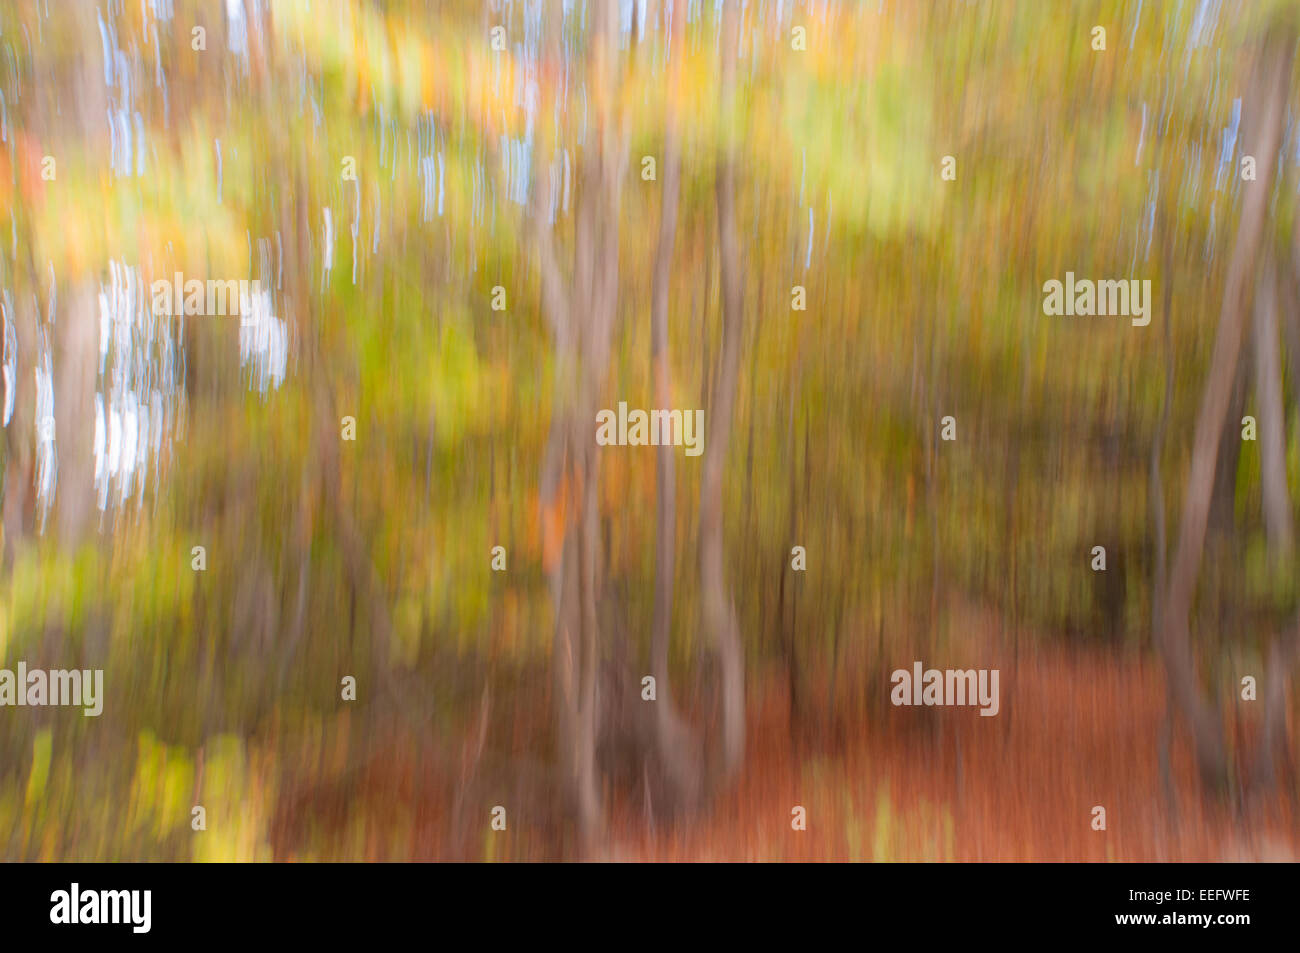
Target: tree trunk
column 20, row 354
column 1268, row 99
column 1277, row 512
column 718, row 609
column 676, row 745
column 582, row 315
column 74, row 331
column 1164, row 745
column 1223, row 498
column 1272, row 418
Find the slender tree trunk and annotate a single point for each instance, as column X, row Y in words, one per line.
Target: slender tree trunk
column 1267, row 104
column 790, row 620
column 582, row 314
column 676, row 746
column 1272, row 417
column 1223, row 498
column 20, row 450
column 74, row 333
column 1165, row 743
column 1277, row 511
column 719, row 610
column 1290, row 267
column 1272, row 744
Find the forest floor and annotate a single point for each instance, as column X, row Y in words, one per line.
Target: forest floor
column 1079, row 728
column 1083, row 733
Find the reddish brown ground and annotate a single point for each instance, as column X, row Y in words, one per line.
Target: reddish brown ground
column 1082, row 733
column 1078, row 728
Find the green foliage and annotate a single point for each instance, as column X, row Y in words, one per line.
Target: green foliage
column 924, row 299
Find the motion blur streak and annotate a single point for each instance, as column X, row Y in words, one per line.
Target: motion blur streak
column 365, row 578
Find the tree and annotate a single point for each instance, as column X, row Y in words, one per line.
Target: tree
column 582, row 312
column 719, row 611
column 1266, row 103
column 677, row 746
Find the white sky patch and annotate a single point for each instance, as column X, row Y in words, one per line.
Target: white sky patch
column 263, row 343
